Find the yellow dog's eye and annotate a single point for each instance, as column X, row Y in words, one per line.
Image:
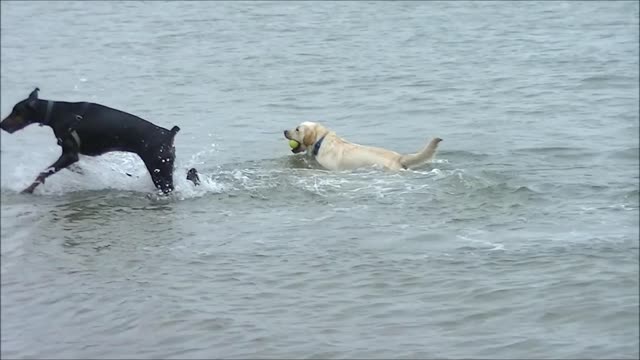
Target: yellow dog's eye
column 296, row 129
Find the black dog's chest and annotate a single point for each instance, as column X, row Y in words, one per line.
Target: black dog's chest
column 68, row 139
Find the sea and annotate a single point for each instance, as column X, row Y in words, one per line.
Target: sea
column 520, row 240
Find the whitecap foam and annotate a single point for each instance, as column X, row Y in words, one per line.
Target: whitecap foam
column 126, row 171
column 97, row 173
column 491, row 246
column 112, row 171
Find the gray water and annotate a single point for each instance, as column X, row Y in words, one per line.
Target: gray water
column 520, row 240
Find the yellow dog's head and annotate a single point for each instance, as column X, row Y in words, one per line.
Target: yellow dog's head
column 306, row 134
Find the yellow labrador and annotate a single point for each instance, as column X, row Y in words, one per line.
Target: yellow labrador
column 335, row 153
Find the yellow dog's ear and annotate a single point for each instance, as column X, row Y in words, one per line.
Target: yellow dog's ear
column 309, row 138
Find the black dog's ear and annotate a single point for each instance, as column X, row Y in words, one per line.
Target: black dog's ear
column 34, row 94
column 33, row 97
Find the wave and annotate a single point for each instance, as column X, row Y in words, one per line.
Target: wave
column 282, row 179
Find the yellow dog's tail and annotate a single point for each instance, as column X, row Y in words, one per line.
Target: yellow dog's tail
column 426, row 154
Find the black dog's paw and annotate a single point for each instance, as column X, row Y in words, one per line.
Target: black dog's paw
column 76, row 169
column 30, row 189
column 192, row 175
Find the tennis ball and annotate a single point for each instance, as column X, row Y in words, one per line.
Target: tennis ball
column 293, row 144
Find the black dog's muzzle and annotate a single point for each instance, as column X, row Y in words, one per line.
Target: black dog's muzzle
column 12, row 123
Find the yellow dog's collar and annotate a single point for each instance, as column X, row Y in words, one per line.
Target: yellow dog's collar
column 316, row 147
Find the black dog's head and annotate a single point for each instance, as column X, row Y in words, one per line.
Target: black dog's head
column 23, row 114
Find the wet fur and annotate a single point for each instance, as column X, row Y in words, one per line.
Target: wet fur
column 93, row 129
column 336, row 153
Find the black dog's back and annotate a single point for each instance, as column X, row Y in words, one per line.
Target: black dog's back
column 104, row 129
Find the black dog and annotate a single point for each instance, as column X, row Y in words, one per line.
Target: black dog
column 93, row 129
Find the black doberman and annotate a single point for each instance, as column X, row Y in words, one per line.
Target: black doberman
column 93, row 129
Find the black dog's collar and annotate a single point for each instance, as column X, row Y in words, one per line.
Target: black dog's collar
column 316, row 147
column 48, row 115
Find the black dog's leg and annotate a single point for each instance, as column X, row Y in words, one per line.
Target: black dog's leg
column 161, row 171
column 163, row 181
column 164, row 178
column 67, row 158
